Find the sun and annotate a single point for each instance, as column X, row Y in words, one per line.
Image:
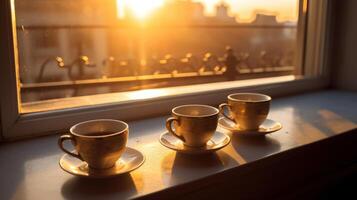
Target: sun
column 139, row 8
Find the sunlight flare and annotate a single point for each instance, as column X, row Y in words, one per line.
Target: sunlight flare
column 146, row 94
column 138, row 8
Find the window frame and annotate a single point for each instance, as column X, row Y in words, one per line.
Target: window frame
column 313, row 48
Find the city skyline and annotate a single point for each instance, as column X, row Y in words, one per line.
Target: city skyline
column 244, row 11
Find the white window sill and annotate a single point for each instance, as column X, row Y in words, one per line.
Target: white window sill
column 31, row 169
column 149, row 94
column 125, row 106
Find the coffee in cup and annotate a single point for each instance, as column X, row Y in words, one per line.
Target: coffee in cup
column 247, row 110
column 100, row 142
column 193, row 124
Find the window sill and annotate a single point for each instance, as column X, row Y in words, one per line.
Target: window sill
column 316, row 126
column 121, row 98
column 125, row 106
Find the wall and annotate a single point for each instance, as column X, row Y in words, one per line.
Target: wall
column 1, row 137
column 344, row 44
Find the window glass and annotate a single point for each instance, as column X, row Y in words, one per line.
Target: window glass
column 87, row 47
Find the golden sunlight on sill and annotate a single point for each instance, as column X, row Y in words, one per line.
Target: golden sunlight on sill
column 168, row 168
column 336, row 123
column 146, row 94
column 132, row 96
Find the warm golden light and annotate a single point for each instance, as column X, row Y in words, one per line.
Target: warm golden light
column 243, row 10
column 139, row 8
column 146, row 94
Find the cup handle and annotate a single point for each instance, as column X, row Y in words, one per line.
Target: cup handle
column 60, row 144
column 221, row 110
column 169, row 127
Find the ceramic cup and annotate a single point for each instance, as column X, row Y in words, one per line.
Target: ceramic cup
column 247, row 110
column 100, row 142
column 193, row 124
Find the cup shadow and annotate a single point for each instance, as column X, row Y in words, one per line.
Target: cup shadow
column 180, row 168
column 121, row 187
column 252, row 148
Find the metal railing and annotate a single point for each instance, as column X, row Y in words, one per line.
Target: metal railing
column 188, row 69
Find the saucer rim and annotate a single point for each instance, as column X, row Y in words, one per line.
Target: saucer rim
column 194, row 151
column 108, row 176
column 249, row 132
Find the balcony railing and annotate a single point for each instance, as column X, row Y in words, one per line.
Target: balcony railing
column 120, row 74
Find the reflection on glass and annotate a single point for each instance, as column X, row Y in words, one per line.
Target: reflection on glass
column 84, row 47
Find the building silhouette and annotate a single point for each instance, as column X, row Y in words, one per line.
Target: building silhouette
column 264, row 19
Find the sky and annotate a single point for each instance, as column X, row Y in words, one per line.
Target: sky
column 243, row 9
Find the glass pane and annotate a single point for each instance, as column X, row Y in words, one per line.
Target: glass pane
column 88, row 47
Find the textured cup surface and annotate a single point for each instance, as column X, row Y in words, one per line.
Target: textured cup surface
column 249, row 110
column 194, row 124
column 100, row 143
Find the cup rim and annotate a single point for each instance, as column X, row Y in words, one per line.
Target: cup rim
column 191, row 116
column 268, row 98
column 99, row 136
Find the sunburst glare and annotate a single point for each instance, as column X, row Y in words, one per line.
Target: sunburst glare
column 138, row 8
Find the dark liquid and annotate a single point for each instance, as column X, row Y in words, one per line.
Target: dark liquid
column 99, row 133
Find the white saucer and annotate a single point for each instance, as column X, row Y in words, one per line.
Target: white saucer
column 218, row 141
column 268, row 126
column 130, row 160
